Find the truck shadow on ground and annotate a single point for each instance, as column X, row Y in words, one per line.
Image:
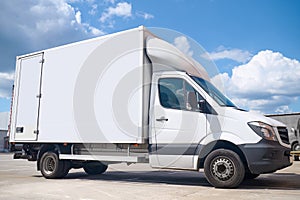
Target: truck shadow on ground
column 283, row 181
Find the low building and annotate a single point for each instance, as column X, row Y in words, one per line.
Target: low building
column 4, row 120
column 292, row 121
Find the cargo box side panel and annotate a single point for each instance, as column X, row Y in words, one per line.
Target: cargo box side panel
column 118, row 93
column 92, row 91
column 61, row 68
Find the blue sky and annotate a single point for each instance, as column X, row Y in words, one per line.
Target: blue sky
column 255, row 44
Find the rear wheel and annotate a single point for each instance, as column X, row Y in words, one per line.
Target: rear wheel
column 51, row 167
column 66, row 168
column 95, row 167
column 223, row 168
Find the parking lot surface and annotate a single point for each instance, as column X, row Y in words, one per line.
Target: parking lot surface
column 20, row 180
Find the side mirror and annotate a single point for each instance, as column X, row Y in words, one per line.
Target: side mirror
column 294, row 131
column 202, row 105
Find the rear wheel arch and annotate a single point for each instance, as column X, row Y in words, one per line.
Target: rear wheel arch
column 46, row 148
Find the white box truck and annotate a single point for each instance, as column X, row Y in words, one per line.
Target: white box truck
column 132, row 97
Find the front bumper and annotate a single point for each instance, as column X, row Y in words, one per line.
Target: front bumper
column 266, row 156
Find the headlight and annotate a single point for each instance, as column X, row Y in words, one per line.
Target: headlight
column 263, row 130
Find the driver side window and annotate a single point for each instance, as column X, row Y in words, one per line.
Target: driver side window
column 176, row 93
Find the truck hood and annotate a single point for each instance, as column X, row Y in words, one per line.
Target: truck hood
column 246, row 116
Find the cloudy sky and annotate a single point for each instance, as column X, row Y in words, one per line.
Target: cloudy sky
column 255, row 44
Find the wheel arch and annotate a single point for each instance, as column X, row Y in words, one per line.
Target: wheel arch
column 219, row 144
column 45, row 148
column 294, row 143
column 57, row 148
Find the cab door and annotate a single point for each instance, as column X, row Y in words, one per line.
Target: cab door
column 177, row 123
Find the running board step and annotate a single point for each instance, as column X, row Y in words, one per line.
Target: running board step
column 128, row 159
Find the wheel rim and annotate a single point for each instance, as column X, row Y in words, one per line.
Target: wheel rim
column 222, row 168
column 49, row 165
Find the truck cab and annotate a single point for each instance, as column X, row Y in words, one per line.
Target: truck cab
column 193, row 125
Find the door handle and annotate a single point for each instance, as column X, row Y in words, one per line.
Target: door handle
column 162, row 119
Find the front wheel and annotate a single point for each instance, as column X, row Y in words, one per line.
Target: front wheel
column 223, row 168
column 249, row 176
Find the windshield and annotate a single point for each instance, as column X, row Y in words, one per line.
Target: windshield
column 213, row 92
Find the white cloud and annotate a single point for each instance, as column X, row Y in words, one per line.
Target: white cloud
column 93, row 11
column 237, row 55
column 221, row 81
column 78, row 17
column 144, row 15
column 122, row 9
column 283, row 109
column 110, row 1
column 41, row 24
column 269, row 82
column 6, row 80
column 7, row 76
column 183, row 45
column 95, row 31
column 48, row 16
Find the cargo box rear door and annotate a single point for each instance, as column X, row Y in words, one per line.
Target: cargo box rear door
column 28, row 95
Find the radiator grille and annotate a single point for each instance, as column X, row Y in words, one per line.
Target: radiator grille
column 284, row 135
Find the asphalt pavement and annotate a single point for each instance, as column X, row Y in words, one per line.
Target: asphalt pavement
column 20, row 180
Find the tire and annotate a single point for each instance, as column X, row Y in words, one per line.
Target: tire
column 295, row 146
column 249, row 176
column 51, row 167
column 223, row 168
column 93, row 168
column 66, row 168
